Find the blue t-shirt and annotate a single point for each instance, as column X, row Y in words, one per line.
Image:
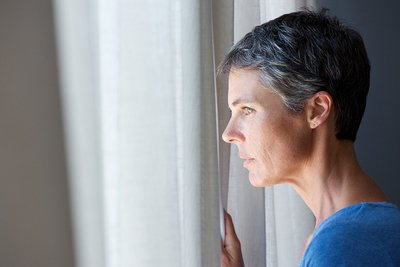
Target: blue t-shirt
column 363, row 234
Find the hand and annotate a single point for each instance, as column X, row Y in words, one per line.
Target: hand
column 231, row 254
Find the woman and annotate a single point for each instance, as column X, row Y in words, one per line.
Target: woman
column 297, row 91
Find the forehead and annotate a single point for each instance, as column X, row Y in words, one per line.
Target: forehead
column 245, row 85
column 239, row 76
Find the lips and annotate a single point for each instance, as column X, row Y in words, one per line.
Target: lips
column 247, row 161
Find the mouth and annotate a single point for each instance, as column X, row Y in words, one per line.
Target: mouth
column 247, row 162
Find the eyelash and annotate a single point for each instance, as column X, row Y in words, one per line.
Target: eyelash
column 247, row 111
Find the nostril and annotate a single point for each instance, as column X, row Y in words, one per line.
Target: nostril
column 225, row 137
column 231, row 133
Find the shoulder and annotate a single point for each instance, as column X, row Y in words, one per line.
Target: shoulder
column 344, row 246
column 355, row 241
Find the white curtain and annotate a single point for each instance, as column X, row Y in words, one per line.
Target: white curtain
column 139, row 105
column 139, row 101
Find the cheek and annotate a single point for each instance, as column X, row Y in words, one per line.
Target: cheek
column 294, row 142
column 284, row 141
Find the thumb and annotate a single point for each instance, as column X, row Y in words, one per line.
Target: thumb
column 231, row 239
column 231, row 252
column 230, row 232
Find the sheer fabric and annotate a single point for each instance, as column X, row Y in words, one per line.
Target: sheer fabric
column 139, row 98
column 139, row 102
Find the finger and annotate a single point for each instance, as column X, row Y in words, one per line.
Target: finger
column 231, row 240
column 229, row 227
column 223, row 250
column 226, row 258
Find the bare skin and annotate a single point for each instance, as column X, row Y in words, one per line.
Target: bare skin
column 301, row 150
column 230, row 249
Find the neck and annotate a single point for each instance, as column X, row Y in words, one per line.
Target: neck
column 332, row 179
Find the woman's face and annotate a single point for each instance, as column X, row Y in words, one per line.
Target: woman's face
column 273, row 143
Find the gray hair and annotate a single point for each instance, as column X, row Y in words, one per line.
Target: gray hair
column 302, row 53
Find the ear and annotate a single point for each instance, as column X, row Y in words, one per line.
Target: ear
column 319, row 107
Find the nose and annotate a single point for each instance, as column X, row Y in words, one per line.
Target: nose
column 232, row 134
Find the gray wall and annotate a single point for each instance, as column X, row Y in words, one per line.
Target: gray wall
column 35, row 227
column 378, row 143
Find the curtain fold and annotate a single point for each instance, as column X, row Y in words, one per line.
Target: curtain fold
column 139, row 108
column 76, row 31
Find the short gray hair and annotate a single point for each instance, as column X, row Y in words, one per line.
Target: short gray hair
column 302, row 53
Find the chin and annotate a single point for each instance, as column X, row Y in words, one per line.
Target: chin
column 258, row 180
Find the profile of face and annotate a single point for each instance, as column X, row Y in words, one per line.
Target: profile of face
column 273, row 143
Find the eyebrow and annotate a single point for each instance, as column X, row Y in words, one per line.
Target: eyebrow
column 243, row 100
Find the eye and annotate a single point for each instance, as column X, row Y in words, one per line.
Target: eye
column 248, row 110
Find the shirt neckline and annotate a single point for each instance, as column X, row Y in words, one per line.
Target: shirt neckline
column 352, row 206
